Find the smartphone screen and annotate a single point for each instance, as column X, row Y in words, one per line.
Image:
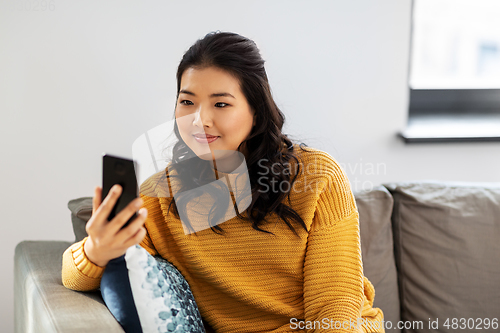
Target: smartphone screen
column 121, row 171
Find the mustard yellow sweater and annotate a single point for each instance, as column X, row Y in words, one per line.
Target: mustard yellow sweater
column 250, row 281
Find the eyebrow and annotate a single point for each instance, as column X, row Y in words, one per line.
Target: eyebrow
column 221, row 94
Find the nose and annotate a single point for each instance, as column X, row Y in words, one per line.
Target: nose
column 202, row 118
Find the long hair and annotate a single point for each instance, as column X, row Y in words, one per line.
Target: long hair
column 267, row 147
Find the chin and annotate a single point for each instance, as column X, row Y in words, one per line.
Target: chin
column 205, row 157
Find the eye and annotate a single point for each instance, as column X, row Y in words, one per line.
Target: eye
column 221, row 105
column 186, row 102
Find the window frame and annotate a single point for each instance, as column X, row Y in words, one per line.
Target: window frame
column 438, row 105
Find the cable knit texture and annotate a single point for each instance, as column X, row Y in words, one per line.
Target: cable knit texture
column 250, row 281
column 78, row 272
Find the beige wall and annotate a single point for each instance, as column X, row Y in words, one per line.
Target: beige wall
column 92, row 76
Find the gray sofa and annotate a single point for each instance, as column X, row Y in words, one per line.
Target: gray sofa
column 431, row 250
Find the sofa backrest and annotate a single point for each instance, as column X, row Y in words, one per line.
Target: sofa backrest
column 447, row 250
column 375, row 210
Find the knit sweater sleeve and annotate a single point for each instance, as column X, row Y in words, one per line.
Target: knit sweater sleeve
column 78, row 272
column 333, row 272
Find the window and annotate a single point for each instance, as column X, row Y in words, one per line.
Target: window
column 454, row 77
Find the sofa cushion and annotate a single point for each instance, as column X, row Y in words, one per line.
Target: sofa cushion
column 81, row 211
column 375, row 208
column 446, row 242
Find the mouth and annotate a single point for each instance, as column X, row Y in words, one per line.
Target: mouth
column 205, row 138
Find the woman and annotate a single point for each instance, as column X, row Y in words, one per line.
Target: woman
column 291, row 260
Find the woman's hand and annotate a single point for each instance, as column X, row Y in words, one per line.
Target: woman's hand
column 106, row 239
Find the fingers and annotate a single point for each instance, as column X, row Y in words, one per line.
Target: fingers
column 125, row 214
column 107, row 204
column 109, row 238
column 96, row 200
column 131, row 234
column 137, row 238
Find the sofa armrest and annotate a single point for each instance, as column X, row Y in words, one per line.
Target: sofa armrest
column 43, row 304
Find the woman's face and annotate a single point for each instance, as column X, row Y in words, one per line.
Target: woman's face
column 212, row 114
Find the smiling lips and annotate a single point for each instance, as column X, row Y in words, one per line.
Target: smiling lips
column 205, row 138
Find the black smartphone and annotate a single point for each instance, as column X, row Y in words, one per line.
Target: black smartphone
column 121, row 171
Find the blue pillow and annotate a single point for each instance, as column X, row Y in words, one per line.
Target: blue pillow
column 148, row 294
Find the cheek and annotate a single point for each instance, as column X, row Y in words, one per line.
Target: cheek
column 239, row 123
column 184, row 125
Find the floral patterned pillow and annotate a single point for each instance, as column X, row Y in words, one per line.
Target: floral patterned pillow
column 148, row 294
